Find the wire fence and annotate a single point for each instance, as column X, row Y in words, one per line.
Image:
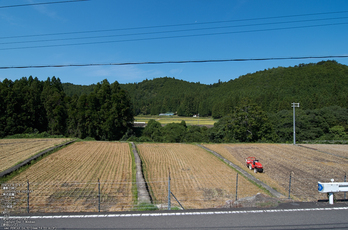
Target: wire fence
column 108, row 196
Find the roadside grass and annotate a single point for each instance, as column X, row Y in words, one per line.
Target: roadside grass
column 134, row 179
column 144, row 171
column 145, row 207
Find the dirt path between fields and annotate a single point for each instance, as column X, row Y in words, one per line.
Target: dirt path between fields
column 143, row 194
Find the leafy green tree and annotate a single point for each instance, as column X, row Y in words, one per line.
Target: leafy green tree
column 174, row 132
column 196, row 134
column 72, row 112
column 152, row 128
column 248, row 123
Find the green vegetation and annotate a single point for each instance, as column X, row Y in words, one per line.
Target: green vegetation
column 247, row 123
column 31, row 106
column 328, row 123
column 206, row 121
column 134, row 179
column 314, row 86
column 33, row 135
column 145, row 207
column 252, row 108
column 71, row 89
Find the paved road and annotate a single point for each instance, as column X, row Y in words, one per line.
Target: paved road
column 288, row 216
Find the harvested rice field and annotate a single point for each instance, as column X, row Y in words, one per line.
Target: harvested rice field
column 67, row 180
column 198, row 178
column 14, row 151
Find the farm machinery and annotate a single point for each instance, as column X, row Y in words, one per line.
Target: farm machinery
column 254, row 164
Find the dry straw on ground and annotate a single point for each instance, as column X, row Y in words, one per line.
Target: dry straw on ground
column 198, row 178
column 67, row 180
column 14, row 151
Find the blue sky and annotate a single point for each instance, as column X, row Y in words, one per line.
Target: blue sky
column 216, row 29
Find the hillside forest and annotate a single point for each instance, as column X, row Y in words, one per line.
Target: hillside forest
column 252, row 108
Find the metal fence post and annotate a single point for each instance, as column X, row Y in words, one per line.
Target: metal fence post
column 98, row 195
column 28, row 191
column 169, row 192
column 345, row 180
column 289, row 185
column 237, row 187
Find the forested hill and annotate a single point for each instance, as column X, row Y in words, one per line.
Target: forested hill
column 314, row 86
column 71, row 89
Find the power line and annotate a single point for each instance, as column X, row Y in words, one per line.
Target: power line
column 173, row 25
column 174, row 62
column 41, row 3
column 174, row 31
column 176, row 36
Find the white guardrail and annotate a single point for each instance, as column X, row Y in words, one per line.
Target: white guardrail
column 332, row 187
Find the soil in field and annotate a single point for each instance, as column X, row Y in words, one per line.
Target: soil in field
column 67, row 180
column 338, row 150
column 306, row 167
column 198, row 178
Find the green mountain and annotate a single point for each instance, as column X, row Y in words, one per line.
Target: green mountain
column 314, row 86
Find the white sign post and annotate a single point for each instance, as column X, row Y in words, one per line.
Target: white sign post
column 332, row 187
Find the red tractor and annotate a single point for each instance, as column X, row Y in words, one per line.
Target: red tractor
column 254, row 164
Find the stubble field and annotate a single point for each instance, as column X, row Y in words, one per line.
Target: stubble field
column 13, row 151
column 67, row 180
column 339, row 150
column 198, row 178
column 306, row 166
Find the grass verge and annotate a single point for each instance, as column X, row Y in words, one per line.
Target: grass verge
column 134, row 178
column 145, row 207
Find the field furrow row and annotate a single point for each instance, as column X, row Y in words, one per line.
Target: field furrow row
column 198, row 178
column 306, row 166
column 67, row 180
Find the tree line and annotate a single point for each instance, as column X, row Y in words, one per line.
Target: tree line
column 248, row 123
column 28, row 105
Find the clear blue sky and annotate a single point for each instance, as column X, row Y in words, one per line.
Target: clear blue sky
column 215, row 29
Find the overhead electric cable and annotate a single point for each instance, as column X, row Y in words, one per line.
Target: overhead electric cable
column 41, row 3
column 174, row 62
column 173, row 25
column 173, row 31
column 176, row 36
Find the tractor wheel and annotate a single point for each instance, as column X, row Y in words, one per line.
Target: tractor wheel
column 255, row 170
column 250, row 167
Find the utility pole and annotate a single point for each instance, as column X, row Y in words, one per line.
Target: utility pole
column 294, row 105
